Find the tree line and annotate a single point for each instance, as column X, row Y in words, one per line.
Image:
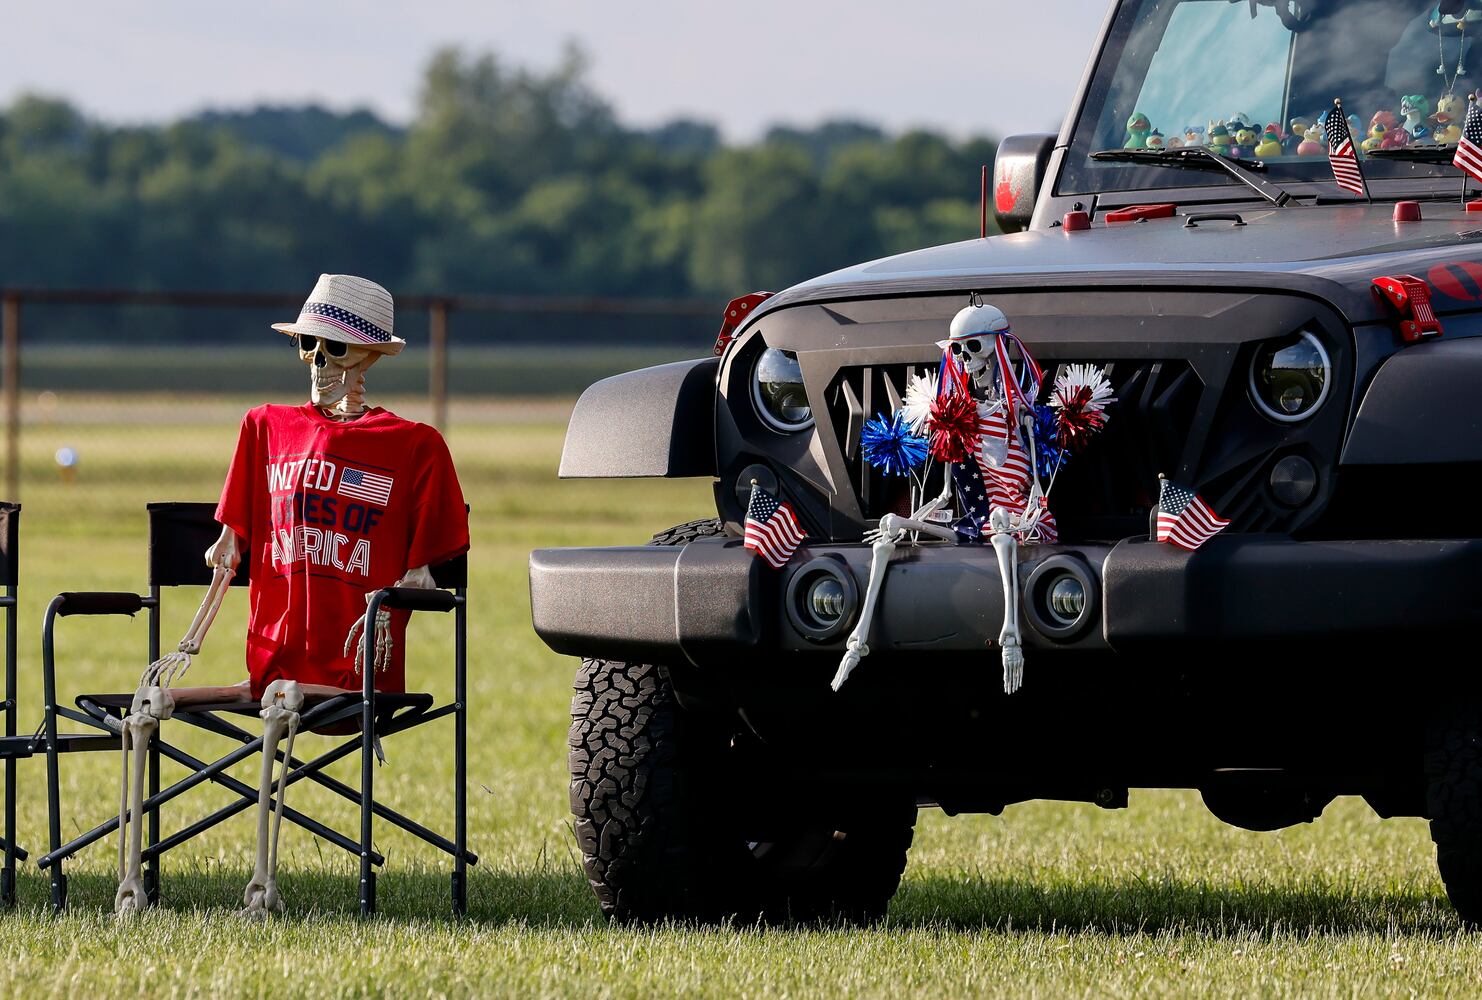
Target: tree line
column 506, row 180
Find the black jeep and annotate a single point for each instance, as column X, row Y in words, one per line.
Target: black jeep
column 1307, row 358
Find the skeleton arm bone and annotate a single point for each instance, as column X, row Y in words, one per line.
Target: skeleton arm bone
column 418, row 578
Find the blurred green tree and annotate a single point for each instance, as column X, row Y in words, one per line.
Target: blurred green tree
column 507, row 180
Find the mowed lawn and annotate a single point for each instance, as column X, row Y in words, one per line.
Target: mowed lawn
column 1047, row 900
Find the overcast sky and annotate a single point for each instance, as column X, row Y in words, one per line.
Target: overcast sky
column 960, row 65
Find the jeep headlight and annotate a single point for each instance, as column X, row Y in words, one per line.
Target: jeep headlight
column 777, row 390
column 1289, row 378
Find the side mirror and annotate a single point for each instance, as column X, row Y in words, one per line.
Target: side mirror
column 1018, row 171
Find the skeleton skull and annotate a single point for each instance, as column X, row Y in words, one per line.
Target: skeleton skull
column 336, row 371
column 975, row 354
column 972, row 338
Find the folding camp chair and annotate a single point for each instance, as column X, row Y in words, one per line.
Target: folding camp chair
column 179, row 533
column 12, row 747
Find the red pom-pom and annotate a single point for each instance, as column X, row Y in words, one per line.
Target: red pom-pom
column 1079, row 418
column 953, row 423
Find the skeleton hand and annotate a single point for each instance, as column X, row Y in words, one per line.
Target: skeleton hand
column 383, row 641
column 419, row 578
column 890, row 529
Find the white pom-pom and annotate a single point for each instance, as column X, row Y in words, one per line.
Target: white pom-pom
column 920, row 391
column 1077, row 377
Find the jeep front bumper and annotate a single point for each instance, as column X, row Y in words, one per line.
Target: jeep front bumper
column 712, row 602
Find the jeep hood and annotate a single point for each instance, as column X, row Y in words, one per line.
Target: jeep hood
column 1332, row 252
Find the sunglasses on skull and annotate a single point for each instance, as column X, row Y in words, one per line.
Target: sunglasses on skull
column 971, row 346
column 334, row 348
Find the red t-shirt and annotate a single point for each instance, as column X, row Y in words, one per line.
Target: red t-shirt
column 331, row 511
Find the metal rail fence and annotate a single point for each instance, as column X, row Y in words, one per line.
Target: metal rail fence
column 437, row 308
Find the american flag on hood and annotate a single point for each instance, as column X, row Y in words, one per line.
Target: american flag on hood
column 1184, row 519
column 1469, row 148
column 1342, row 156
column 772, row 529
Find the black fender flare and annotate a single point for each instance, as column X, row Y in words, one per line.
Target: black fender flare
column 1421, row 407
column 654, row 422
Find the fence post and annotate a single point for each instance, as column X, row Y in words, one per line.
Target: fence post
column 10, row 334
column 437, row 375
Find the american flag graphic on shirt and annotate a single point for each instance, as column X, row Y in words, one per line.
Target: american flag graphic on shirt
column 772, row 529
column 1184, row 519
column 1469, row 148
column 1342, row 156
column 359, row 484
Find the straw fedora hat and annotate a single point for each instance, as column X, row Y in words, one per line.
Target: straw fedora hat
column 349, row 309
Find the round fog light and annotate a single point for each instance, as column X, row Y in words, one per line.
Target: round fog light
column 821, row 598
column 1062, row 597
column 826, row 600
column 1067, row 600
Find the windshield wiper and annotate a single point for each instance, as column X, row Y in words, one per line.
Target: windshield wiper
column 1440, row 155
column 1201, row 158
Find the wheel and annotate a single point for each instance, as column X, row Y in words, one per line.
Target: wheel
column 665, row 825
column 1453, row 766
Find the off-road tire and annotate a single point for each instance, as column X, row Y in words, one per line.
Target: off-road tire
column 657, row 813
column 1453, row 766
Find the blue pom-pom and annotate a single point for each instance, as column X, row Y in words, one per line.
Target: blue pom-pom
column 888, row 445
column 1047, row 451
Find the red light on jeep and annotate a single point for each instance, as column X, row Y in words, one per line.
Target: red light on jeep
column 736, row 312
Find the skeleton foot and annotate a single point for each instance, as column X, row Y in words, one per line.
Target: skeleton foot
column 261, row 899
column 1013, row 664
column 280, row 707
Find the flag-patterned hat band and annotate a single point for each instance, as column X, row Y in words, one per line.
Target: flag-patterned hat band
column 348, row 309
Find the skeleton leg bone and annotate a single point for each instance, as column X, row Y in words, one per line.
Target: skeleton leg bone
column 280, row 715
column 884, row 540
column 151, row 706
column 1005, row 545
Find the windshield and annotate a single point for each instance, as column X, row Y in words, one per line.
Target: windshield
column 1253, row 78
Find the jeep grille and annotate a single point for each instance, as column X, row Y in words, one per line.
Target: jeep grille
column 1103, row 494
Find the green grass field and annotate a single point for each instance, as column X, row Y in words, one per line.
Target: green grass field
column 1048, row 900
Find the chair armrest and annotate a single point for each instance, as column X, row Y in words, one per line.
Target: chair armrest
column 416, row 599
column 98, row 603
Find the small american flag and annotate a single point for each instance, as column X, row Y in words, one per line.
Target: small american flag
column 772, row 529
column 1342, row 157
column 972, row 493
column 1184, row 519
column 1469, row 149
column 368, row 486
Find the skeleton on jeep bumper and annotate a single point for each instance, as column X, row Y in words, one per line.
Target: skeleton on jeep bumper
column 1000, row 479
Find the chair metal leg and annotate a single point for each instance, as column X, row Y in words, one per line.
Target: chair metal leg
column 152, row 831
column 7, row 872
column 460, row 756
column 367, row 756
column 53, row 764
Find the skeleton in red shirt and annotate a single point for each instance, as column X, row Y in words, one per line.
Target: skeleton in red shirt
column 344, row 328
